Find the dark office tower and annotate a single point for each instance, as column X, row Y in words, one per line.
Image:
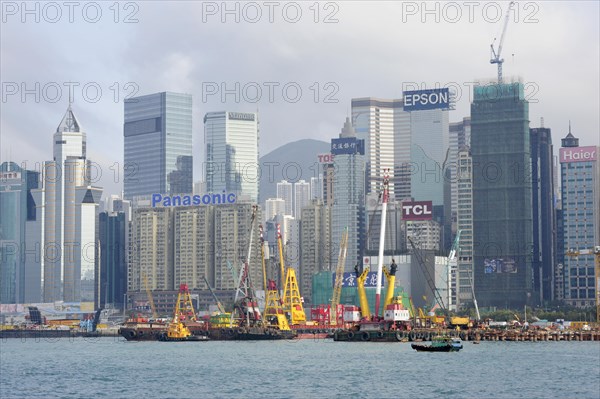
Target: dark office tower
column 544, row 223
column 502, row 216
column 158, row 132
column 113, row 262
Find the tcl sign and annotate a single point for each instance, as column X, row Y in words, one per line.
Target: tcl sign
column 578, row 154
column 417, row 210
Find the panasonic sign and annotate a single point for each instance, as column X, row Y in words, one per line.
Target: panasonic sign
column 421, row 100
column 158, row 200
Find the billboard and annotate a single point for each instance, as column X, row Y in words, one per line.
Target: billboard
column 347, row 145
column 420, row 100
column 578, row 154
column 417, row 210
column 499, row 266
column 350, row 280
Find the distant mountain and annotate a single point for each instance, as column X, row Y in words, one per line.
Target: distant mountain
column 292, row 162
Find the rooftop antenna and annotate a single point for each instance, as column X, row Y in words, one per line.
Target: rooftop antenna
column 542, row 121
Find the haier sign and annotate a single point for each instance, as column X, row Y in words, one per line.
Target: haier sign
column 578, row 154
column 421, row 100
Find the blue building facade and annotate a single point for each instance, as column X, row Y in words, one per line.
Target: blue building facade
column 17, row 283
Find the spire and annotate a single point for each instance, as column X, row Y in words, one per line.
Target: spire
column 570, row 140
column 69, row 123
column 348, row 129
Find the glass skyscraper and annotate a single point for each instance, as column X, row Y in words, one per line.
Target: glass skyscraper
column 232, row 153
column 158, row 144
column 348, row 208
column 17, row 283
column 502, row 215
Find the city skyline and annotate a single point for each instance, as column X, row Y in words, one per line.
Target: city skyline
column 462, row 56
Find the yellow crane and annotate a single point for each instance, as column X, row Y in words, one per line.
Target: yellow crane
column 149, row 293
column 596, row 252
column 183, row 313
column 292, row 301
column 390, row 277
column 339, row 278
column 362, row 294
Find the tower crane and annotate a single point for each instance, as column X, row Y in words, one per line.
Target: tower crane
column 596, row 252
column 496, row 55
column 339, row 277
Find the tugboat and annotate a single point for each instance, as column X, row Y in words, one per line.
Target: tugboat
column 440, row 344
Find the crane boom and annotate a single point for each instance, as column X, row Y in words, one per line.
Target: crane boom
column 219, row 304
column 339, row 277
column 149, row 293
column 496, row 55
column 428, row 276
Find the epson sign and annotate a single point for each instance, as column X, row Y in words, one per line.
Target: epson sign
column 421, row 100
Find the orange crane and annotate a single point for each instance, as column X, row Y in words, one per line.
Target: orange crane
column 339, row 277
column 596, row 252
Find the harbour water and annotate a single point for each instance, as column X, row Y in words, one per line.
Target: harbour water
column 113, row 368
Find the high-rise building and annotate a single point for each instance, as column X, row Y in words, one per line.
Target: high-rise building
column 424, row 233
column 502, row 215
column 18, row 283
column 464, row 224
column 544, row 225
column 232, row 153
column 348, row 208
column 385, row 128
column 459, row 138
column 67, row 208
column 429, row 146
column 284, row 191
column 580, row 179
column 301, row 197
column 193, row 244
column 112, row 270
column 158, row 144
column 315, row 245
column 316, row 187
column 273, row 207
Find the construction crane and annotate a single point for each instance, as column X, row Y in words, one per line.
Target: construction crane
column 245, row 300
column 149, row 293
column 339, row 278
column 596, row 252
column 496, row 55
column 292, row 301
column 390, row 277
column 428, row 276
column 183, row 314
column 262, row 258
column 450, row 270
column 219, row 304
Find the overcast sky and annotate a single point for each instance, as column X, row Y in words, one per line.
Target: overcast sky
column 331, row 51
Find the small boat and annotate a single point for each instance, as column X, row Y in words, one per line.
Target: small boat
column 439, row 344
